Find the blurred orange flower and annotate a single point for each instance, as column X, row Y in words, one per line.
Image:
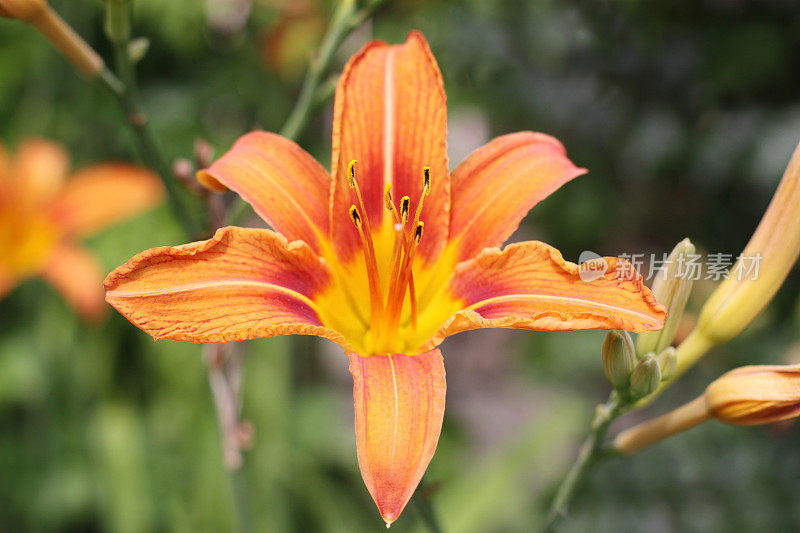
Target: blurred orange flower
column 387, row 280
column 42, row 216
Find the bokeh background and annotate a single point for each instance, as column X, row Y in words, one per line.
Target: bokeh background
column 685, row 112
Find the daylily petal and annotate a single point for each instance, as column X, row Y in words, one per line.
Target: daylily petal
column 390, row 115
column 241, row 284
column 496, row 186
column 39, row 170
column 100, row 195
column 528, row 285
column 5, row 163
column 399, row 406
column 76, row 274
column 287, row 187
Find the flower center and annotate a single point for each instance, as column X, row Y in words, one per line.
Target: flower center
column 26, row 241
column 387, row 295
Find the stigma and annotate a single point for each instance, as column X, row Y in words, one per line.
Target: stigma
column 388, row 289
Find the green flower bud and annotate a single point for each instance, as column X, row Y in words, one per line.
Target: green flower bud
column 137, row 48
column 672, row 287
column 667, row 362
column 646, row 377
column 619, row 358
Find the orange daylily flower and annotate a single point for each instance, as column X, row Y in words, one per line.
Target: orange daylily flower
column 387, row 256
column 42, row 216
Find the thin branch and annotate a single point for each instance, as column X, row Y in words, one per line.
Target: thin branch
column 590, row 452
column 124, row 88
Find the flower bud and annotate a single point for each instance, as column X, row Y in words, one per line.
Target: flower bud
column 137, row 48
column 667, row 361
column 26, row 10
column 746, row 396
column 776, row 245
column 619, row 358
column 58, row 32
column 752, row 395
column 646, row 377
column 671, row 287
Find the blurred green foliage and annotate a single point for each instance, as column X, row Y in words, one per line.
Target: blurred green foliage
column 684, row 112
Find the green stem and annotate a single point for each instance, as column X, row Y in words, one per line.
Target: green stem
column 123, row 87
column 590, row 452
column 314, row 92
column 240, row 500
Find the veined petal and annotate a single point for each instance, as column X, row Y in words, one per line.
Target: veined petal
column 241, row 284
column 399, row 406
column 77, row 275
column 496, row 186
column 390, row 115
column 38, row 171
column 287, row 187
column 100, row 195
column 5, row 178
column 528, row 285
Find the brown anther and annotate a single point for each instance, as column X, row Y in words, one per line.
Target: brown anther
column 405, row 203
column 351, row 173
column 387, row 197
column 355, row 217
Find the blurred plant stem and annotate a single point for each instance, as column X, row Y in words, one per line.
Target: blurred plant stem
column 315, row 90
column 224, row 364
column 591, row 450
column 122, row 85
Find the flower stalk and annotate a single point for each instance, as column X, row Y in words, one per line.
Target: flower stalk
column 41, row 16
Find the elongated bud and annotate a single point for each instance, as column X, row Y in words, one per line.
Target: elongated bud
column 646, row 377
column 25, row 10
column 746, row 396
column 752, row 395
column 619, row 358
column 775, row 245
column 755, row 277
column 672, row 287
column 43, row 18
column 667, row 361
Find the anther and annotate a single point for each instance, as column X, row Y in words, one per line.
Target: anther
column 426, row 178
column 351, row 173
column 387, row 197
column 418, row 232
column 405, row 203
column 355, row 217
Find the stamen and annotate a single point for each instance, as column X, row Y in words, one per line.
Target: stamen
column 355, row 217
column 426, row 180
column 373, row 277
column 405, row 202
column 426, row 190
column 387, row 199
column 351, row 173
column 395, row 303
column 418, row 232
column 412, row 292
